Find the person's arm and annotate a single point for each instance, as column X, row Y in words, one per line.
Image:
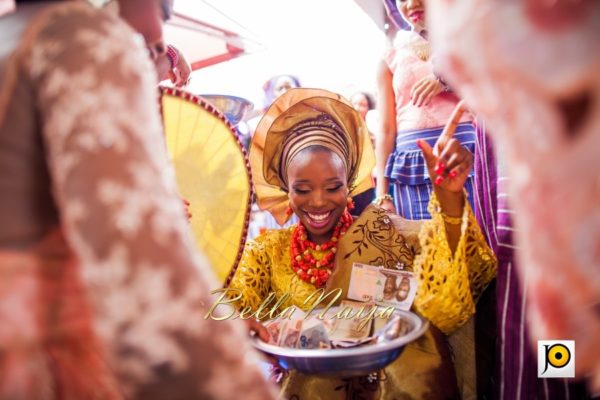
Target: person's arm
column 452, row 206
column 115, row 191
column 425, row 89
column 174, row 66
column 450, row 282
column 455, row 263
column 449, row 165
column 385, row 139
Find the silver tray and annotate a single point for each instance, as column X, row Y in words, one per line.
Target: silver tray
column 354, row 361
column 234, row 108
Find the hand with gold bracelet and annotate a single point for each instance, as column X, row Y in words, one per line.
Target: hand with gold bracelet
column 385, row 201
column 449, row 164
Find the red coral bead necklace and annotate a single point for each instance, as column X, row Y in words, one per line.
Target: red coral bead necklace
column 304, row 263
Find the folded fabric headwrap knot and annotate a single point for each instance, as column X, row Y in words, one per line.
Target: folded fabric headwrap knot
column 299, row 119
column 319, row 131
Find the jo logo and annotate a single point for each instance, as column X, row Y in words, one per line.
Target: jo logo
column 556, row 358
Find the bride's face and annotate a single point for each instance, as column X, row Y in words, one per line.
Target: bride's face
column 318, row 191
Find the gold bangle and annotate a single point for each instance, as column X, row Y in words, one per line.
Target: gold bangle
column 451, row 220
column 380, row 199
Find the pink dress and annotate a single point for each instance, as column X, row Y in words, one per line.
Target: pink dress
column 102, row 294
column 407, row 69
column 405, row 166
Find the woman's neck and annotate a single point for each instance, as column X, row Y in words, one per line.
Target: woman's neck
column 421, row 32
column 319, row 239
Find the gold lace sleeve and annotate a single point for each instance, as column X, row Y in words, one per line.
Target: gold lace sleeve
column 253, row 276
column 450, row 286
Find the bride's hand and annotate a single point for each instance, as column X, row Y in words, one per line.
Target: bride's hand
column 448, row 162
column 258, row 328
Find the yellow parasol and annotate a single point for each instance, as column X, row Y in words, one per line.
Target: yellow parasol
column 212, row 174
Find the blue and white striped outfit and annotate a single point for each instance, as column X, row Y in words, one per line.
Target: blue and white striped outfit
column 407, row 172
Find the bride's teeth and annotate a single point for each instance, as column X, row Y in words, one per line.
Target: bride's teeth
column 318, row 217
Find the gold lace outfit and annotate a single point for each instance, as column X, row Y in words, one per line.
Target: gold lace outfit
column 449, row 286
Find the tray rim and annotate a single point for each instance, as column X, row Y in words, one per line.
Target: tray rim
column 280, row 352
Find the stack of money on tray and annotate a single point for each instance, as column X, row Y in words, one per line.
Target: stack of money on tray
column 328, row 333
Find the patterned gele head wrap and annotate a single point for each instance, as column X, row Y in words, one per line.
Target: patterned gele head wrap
column 298, row 119
column 319, row 131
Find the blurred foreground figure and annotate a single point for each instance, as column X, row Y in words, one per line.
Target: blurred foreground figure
column 102, row 294
column 530, row 68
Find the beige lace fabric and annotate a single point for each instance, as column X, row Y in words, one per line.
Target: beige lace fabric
column 83, row 80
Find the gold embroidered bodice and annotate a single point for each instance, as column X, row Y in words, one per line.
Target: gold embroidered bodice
column 266, row 267
column 448, row 285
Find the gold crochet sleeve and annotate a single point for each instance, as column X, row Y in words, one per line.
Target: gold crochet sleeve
column 450, row 286
column 253, row 276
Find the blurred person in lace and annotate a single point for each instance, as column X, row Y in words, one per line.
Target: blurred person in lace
column 516, row 360
column 170, row 63
column 102, row 294
column 414, row 105
column 6, row 6
column 311, row 151
column 537, row 87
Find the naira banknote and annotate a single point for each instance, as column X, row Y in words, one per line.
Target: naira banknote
column 290, row 333
column 354, row 329
column 394, row 328
column 385, row 287
column 274, row 330
column 313, row 335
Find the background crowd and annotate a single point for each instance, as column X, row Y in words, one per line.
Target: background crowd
column 101, row 289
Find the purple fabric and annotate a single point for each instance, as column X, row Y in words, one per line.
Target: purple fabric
column 485, row 186
column 395, row 16
column 516, row 360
